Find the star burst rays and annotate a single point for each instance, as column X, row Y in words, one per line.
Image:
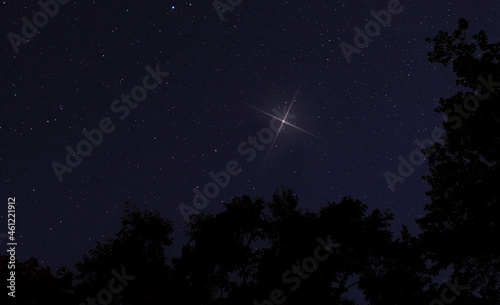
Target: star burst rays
column 283, row 122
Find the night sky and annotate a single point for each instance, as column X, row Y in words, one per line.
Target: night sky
column 211, row 89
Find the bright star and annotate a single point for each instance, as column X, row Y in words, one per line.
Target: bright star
column 283, row 121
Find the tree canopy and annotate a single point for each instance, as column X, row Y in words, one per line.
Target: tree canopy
column 461, row 227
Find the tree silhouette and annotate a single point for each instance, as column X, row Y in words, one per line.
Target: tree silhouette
column 461, row 227
column 243, row 253
column 253, row 252
column 139, row 248
column 36, row 284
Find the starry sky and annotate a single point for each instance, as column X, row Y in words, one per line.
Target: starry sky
column 216, row 80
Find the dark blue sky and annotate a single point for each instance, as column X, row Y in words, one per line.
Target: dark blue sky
column 67, row 77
